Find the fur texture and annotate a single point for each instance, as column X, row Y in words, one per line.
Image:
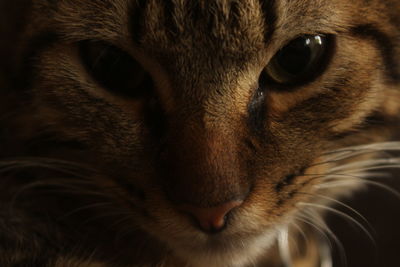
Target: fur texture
column 92, row 178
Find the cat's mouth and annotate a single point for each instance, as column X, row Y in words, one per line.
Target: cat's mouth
column 243, row 233
column 239, row 227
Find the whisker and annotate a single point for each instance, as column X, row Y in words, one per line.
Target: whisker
column 327, row 160
column 73, row 168
column 321, row 223
column 389, row 146
column 34, row 160
column 348, row 183
column 341, row 214
column 341, row 204
column 383, row 163
column 320, row 230
column 359, row 175
column 61, row 187
column 95, row 205
column 338, row 155
column 326, row 255
column 300, row 230
column 66, row 186
column 284, row 249
column 373, row 168
column 351, row 178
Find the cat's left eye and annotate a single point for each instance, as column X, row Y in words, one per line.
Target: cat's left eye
column 115, row 70
column 299, row 61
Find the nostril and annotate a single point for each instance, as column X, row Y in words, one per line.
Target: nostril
column 211, row 219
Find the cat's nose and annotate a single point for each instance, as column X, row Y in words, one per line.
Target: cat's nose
column 211, row 219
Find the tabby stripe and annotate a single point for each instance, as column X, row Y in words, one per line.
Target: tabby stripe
column 374, row 120
column 343, row 135
column 35, row 46
column 169, row 11
column 289, row 179
column 384, row 44
column 268, row 8
column 136, row 20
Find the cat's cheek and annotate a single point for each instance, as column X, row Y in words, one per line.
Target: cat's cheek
column 84, row 111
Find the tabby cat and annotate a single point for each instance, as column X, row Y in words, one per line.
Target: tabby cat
column 201, row 133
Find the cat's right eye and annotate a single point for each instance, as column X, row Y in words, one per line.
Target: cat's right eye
column 115, row 70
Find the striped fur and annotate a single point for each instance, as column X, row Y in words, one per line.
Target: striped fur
column 90, row 178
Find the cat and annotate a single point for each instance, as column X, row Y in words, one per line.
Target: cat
column 189, row 133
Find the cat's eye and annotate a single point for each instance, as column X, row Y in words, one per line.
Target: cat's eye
column 300, row 61
column 115, row 69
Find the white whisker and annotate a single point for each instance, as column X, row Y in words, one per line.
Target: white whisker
column 325, row 255
column 336, row 184
column 284, row 248
column 299, row 229
column 346, row 153
column 304, row 219
column 341, row 214
column 356, row 175
column 350, row 182
column 381, row 146
column 341, row 204
column 392, row 162
column 326, row 231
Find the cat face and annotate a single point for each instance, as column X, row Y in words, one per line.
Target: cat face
column 188, row 108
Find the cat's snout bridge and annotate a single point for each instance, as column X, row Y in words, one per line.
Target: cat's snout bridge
column 204, row 173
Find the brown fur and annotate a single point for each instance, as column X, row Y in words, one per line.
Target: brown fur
column 92, row 180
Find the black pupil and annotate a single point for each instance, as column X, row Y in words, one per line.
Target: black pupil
column 295, row 57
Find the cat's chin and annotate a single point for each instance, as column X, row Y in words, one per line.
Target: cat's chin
column 220, row 251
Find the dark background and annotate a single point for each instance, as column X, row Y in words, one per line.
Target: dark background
column 382, row 209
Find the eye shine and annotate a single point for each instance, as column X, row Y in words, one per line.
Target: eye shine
column 300, row 61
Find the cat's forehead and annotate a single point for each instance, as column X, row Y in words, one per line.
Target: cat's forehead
column 229, row 25
column 233, row 24
column 220, row 25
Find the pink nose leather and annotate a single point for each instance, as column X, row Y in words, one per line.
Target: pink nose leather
column 211, row 219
